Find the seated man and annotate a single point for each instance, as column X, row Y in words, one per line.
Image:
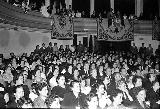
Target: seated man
column 74, row 99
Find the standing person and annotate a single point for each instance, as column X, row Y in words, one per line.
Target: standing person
column 55, row 49
column 49, row 49
column 142, row 51
column 80, row 48
column 134, row 49
column 110, row 17
column 149, row 51
column 157, row 52
column 74, row 99
column 72, row 48
column 43, row 48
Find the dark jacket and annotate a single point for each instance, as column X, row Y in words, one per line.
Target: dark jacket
column 71, row 102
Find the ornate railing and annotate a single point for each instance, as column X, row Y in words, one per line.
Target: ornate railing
column 15, row 16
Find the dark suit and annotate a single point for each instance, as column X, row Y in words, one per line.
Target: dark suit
column 70, row 101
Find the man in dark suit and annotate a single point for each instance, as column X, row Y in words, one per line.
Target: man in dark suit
column 142, row 51
column 74, row 99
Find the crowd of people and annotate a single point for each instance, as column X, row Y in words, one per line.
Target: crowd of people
column 73, row 78
column 55, row 8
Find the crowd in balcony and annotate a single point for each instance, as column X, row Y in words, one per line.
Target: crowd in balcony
column 58, row 7
column 72, row 77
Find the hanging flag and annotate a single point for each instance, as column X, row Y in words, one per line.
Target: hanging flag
column 156, row 30
column 118, row 30
column 62, row 27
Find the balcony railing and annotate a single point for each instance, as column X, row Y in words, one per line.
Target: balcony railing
column 35, row 20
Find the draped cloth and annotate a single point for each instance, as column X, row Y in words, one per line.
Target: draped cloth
column 156, row 30
column 62, row 27
column 118, row 31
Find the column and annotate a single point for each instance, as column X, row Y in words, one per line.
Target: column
column 47, row 3
column 138, row 7
column 112, row 4
column 68, row 2
column 159, row 7
column 91, row 6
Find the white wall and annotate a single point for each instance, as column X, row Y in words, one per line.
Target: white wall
column 146, row 39
column 23, row 41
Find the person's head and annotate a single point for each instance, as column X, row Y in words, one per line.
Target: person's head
column 152, row 70
column 25, row 75
column 83, row 83
column 140, row 94
column 123, row 71
column 50, row 43
column 80, row 42
column 92, row 101
column 55, row 44
column 100, row 88
column 19, row 92
column 156, row 85
column 86, row 66
column 151, row 77
column 60, row 79
column 54, row 101
column 79, row 65
column 137, row 81
column 43, row 44
column 93, row 65
column 42, row 89
column 27, row 104
column 106, row 80
column 121, row 85
column 75, row 72
column 75, row 86
column 101, row 68
column 133, row 44
column 116, row 97
column 55, row 72
column 108, row 71
column 117, row 76
column 18, row 79
column 94, row 73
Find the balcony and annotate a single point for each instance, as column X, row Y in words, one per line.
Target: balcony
column 11, row 17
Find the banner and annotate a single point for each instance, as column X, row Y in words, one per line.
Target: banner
column 62, row 27
column 156, row 30
column 115, row 29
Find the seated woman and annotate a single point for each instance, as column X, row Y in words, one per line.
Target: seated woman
column 153, row 95
column 139, row 101
column 52, row 81
column 92, row 101
column 127, row 99
column 54, row 102
column 84, row 88
column 137, row 82
column 116, row 98
column 42, row 91
column 16, row 98
column 103, row 97
column 61, row 88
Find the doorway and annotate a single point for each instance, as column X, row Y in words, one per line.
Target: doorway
column 105, row 46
